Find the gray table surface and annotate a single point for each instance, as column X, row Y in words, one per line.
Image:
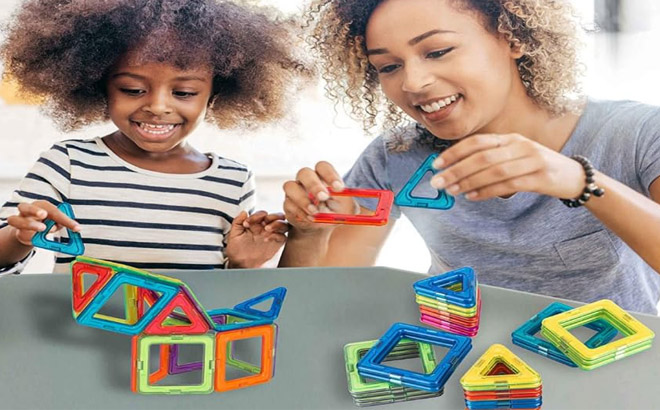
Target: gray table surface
column 47, row 360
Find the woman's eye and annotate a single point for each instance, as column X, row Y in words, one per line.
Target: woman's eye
column 388, row 68
column 132, row 91
column 184, row 94
column 439, row 53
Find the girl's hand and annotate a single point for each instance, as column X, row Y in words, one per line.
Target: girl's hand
column 300, row 209
column 255, row 239
column 30, row 219
column 485, row 166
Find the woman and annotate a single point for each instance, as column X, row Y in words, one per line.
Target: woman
column 488, row 84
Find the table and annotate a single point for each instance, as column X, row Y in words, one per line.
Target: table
column 47, row 360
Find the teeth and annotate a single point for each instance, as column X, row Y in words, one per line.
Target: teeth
column 156, row 129
column 438, row 105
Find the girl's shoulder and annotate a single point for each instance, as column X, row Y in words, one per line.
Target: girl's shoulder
column 89, row 146
column 226, row 169
column 227, row 163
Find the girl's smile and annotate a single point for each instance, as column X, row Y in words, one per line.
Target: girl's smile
column 155, row 132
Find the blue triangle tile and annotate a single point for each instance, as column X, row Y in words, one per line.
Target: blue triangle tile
column 436, row 287
column 276, row 294
column 75, row 244
column 406, row 198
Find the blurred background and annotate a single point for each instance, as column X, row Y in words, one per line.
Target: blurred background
column 622, row 60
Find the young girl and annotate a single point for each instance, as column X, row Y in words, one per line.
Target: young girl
column 487, row 83
column 142, row 196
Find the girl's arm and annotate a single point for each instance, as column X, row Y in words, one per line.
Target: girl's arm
column 15, row 238
column 11, row 250
column 47, row 181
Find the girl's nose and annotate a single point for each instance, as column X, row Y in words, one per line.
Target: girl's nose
column 158, row 104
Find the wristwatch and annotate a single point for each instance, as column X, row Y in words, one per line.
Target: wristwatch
column 18, row 267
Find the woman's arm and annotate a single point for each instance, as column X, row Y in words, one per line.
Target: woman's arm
column 345, row 245
column 320, row 244
column 490, row 165
column 631, row 216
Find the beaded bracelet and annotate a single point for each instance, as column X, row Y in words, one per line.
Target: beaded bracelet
column 590, row 189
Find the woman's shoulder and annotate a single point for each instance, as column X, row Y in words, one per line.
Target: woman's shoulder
column 408, row 138
column 621, row 111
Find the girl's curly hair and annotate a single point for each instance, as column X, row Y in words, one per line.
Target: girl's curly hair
column 64, row 49
column 545, row 31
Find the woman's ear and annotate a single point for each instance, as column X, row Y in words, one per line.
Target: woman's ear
column 517, row 48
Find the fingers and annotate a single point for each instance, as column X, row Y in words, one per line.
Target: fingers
column 507, row 172
column 471, row 145
column 329, row 175
column 240, row 219
column 255, row 223
column 315, row 181
column 262, row 221
column 277, row 227
column 30, row 219
column 279, row 216
column 55, row 214
column 28, row 224
column 297, row 206
column 479, row 161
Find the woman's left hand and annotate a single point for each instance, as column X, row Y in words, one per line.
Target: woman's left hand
column 485, row 166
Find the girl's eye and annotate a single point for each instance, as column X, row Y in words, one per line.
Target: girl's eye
column 184, row 94
column 132, row 91
column 387, row 69
column 439, row 53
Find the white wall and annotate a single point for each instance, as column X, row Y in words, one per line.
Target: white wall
column 623, row 66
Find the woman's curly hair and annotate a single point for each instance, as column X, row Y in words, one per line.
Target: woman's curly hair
column 545, row 31
column 63, row 50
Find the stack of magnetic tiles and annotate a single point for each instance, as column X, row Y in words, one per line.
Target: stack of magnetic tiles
column 370, row 382
column 450, row 301
column 162, row 311
column 499, row 379
column 556, row 321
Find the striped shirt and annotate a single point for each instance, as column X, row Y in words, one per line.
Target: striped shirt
column 142, row 218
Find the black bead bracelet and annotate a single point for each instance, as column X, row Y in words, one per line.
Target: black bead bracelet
column 590, row 189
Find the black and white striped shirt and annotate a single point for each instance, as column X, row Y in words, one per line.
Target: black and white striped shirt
column 142, row 218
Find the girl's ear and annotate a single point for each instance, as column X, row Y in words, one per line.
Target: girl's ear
column 212, row 101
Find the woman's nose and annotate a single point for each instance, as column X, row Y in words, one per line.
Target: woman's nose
column 416, row 79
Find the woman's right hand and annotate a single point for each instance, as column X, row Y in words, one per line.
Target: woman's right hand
column 300, row 209
column 30, row 219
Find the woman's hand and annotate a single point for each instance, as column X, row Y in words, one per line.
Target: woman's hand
column 30, row 219
column 484, row 166
column 300, row 209
column 255, row 239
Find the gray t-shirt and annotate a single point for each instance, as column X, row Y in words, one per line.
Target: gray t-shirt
column 533, row 242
